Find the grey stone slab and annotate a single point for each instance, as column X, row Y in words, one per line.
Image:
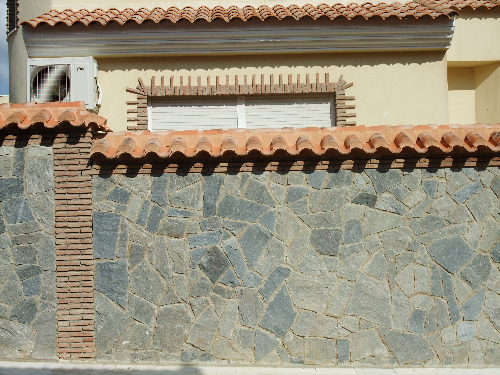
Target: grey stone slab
column 450, row 296
column 11, row 188
column 442, row 206
column 350, row 267
column 326, row 241
column 377, row 221
column 343, row 353
column 25, row 311
column 25, row 254
column 477, row 271
column 106, row 226
column 482, row 204
column 311, row 324
column 251, row 279
column 365, row 199
column 328, row 199
column 316, row 178
column 253, row 241
column 140, row 309
column 137, row 336
column 430, row 187
column 371, row 301
column 178, row 212
column 492, row 308
column 17, row 210
column 264, row 344
column 39, row 174
column 202, row 333
column 339, row 177
column 240, row 209
column 296, row 193
column 159, row 259
column 119, row 194
column 384, row 179
column 387, row 202
column 395, row 241
column 143, row 213
column 146, row 283
column 32, row 287
column 332, row 219
column 319, row 350
column 467, row 191
column 256, row 191
column 44, row 346
column 377, row 266
column 42, row 206
column 28, row 271
column 311, row 293
column 495, row 254
column 340, row 299
column 451, row 253
column 154, row 218
column 140, row 185
column 15, row 339
column 172, row 327
column 280, row 314
column 455, row 180
column 214, row 263
column 352, row 231
column 205, row 239
column 486, row 330
column 495, row 185
column 228, row 350
column 420, row 209
column 416, row 321
column 19, row 162
column 135, row 254
column 367, row 344
column 268, row 220
column 459, row 214
column 250, row 306
column 159, row 190
column 111, row 279
column 407, row 348
column 274, row 280
column 490, row 235
column 228, row 319
column 466, row 331
column 211, row 190
column 201, row 288
column 235, row 256
column 430, row 223
column 312, row 264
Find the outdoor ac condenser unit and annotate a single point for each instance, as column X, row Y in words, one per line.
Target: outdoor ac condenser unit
column 65, row 79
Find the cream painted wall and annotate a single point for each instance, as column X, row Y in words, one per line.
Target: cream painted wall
column 390, row 89
column 476, row 37
column 461, row 96
column 4, row 99
column 487, row 79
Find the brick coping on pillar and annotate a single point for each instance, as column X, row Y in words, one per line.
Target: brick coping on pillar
column 74, row 247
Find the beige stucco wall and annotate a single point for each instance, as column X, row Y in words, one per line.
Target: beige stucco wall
column 461, row 96
column 390, row 89
column 476, row 37
column 487, row 79
column 4, row 99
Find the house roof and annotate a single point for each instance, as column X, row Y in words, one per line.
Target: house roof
column 50, row 115
column 343, row 140
column 350, row 11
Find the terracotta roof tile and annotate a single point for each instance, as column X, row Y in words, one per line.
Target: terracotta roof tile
column 263, row 12
column 50, row 115
column 441, row 5
column 391, row 139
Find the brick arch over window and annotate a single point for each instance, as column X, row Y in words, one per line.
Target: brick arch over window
column 252, row 85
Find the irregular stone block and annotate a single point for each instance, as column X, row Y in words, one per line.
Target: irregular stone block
column 319, row 350
column 28, row 271
column 280, row 314
column 44, row 346
column 352, row 231
column 326, row 241
column 384, row 179
column 316, row 178
column 328, row 199
column 407, row 348
column 145, row 282
column 366, row 344
column 235, row 256
column 228, row 350
column 256, row 191
column 477, row 271
column 17, row 210
column 481, row 204
column 159, row 189
column 253, row 241
column 25, row 311
column 39, row 174
column 387, row 202
column 296, row 193
column 11, row 188
column 172, row 327
column 240, row 209
column 492, row 308
column 466, row 331
column 106, row 226
column 189, row 197
column 203, row 332
column 450, row 297
column 173, row 227
column 274, row 280
column 250, row 305
column 311, row 293
column 264, row 344
column 377, row 266
column 211, row 190
column 205, row 239
column 32, row 287
column 119, row 195
column 365, row 199
column 110, row 322
column 251, row 280
column 111, row 278
column 137, row 336
column 371, row 301
column 140, row 309
column 486, row 330
column 16, row 340
column 377, row 221
column 154, row 218
column 228, row 319
column 464, row 193
column 310, row 324
column 214, row 263
column 416, row 321
column 451, row 253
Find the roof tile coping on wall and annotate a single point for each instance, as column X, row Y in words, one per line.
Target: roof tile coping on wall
column 367, row 10
column 392, row 139
column 440, row 5
column 50, row 115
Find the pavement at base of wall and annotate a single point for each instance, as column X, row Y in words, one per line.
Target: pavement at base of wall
column 60, row 368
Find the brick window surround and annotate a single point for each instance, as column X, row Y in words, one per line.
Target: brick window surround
column 254, row 85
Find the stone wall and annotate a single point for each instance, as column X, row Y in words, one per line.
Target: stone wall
column 386, row 268
column 27, row 253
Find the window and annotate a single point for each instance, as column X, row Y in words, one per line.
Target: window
column 252, row 105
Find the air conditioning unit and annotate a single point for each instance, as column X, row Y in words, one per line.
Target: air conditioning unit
column 65, row 79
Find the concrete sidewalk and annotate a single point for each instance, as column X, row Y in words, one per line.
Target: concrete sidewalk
column 46, row 368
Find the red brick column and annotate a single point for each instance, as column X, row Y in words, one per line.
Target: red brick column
column 74, row 246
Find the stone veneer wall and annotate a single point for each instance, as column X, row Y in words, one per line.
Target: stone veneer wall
column 341, row 267
column 27, row 251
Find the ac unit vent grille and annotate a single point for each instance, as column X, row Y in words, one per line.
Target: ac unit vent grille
column 50, row 83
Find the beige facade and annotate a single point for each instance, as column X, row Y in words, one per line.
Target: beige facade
column 460, row 85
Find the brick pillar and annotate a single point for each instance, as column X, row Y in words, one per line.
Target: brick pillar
column 74, row 246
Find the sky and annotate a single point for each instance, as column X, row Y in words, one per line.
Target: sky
column 4, row 58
